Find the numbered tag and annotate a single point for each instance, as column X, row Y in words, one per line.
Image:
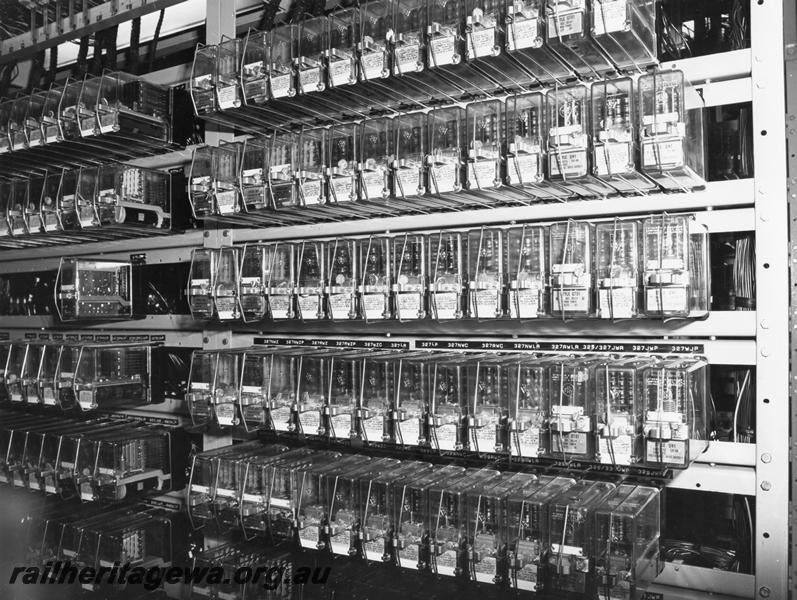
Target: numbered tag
column 523, row 33
column 308, row 307
column 373, row 306
column 527, row 443
column 446, row 305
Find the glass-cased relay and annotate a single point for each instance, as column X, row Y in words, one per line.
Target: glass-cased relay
column 409, row 151
column 447, row 149
column 253, row 394
column 226, row 179
column 376, row 156
column 568, row 25
column 488, row 413
column 282, row 162
column 281, row 55
column 200, row 182
column 203, row 74
column 311, row 46
column 448, row 523
column 571, row 408
column 228, row 70
column 311, row 174
column 527, row 400
column 570, row 269
column 344, row 516
column 255, row 67
column 571, row 525
column 526, row 159
column 111, row 377
column 342, row 282
column 485, row 273
column 48, row 372
column 201, row 483
column 282, row 478
column 12, row 374
column 94, row 289
column 254, row 175
column 675, row 263
column 448, row 402
column 671, row 137
column 18, row 200
column 66, row 203
column 525, row 41
column 343, row 157
column 485, row 131
column 376, row 396
column 409, row 418
column 444, row 33
column 133, row 196
column 617, row 275
column 65, row 376
column 225, row 285
column 32, row 210
column 342, row 52
column 199, row 396
column 345, row 379
column 626, row 547
column 311, row 502
column 226, row 387
column 675, row 419
column 618, row 410
column 373, row 42
column 312, row 391
column 30, row 373
column 379, row 508
column 85, row 201
column 409, row 45
column 487, row 531
column 524, row 247
column 528, row 534
column 614, row 136
column 625, row 30
column 568, row 142
column 446, row 275
column 310, row 280
column 126, row 466
column 48, row 203
column 200, row 283
column 252, row 294
column 375, row 278
column 408, row 255
column 282, row 372
column 415, row 514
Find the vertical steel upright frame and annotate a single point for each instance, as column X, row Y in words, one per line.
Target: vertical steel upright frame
column 772, row 303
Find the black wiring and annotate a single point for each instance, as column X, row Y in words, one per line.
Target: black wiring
column 36, row 71
column 110, row 46
column 153, row 47
column 134, row 51
column 270, row 11
column 53, row 69
column 81, row 64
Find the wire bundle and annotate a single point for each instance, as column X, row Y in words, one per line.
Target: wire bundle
column 744, row 273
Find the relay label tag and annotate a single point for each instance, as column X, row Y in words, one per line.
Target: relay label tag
column 524, row 303
column 608, row 16
column 523, row 169
column 281, row 418
column 406, row 59
column 443, row 51
column 446, row 305
column 523, row 33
